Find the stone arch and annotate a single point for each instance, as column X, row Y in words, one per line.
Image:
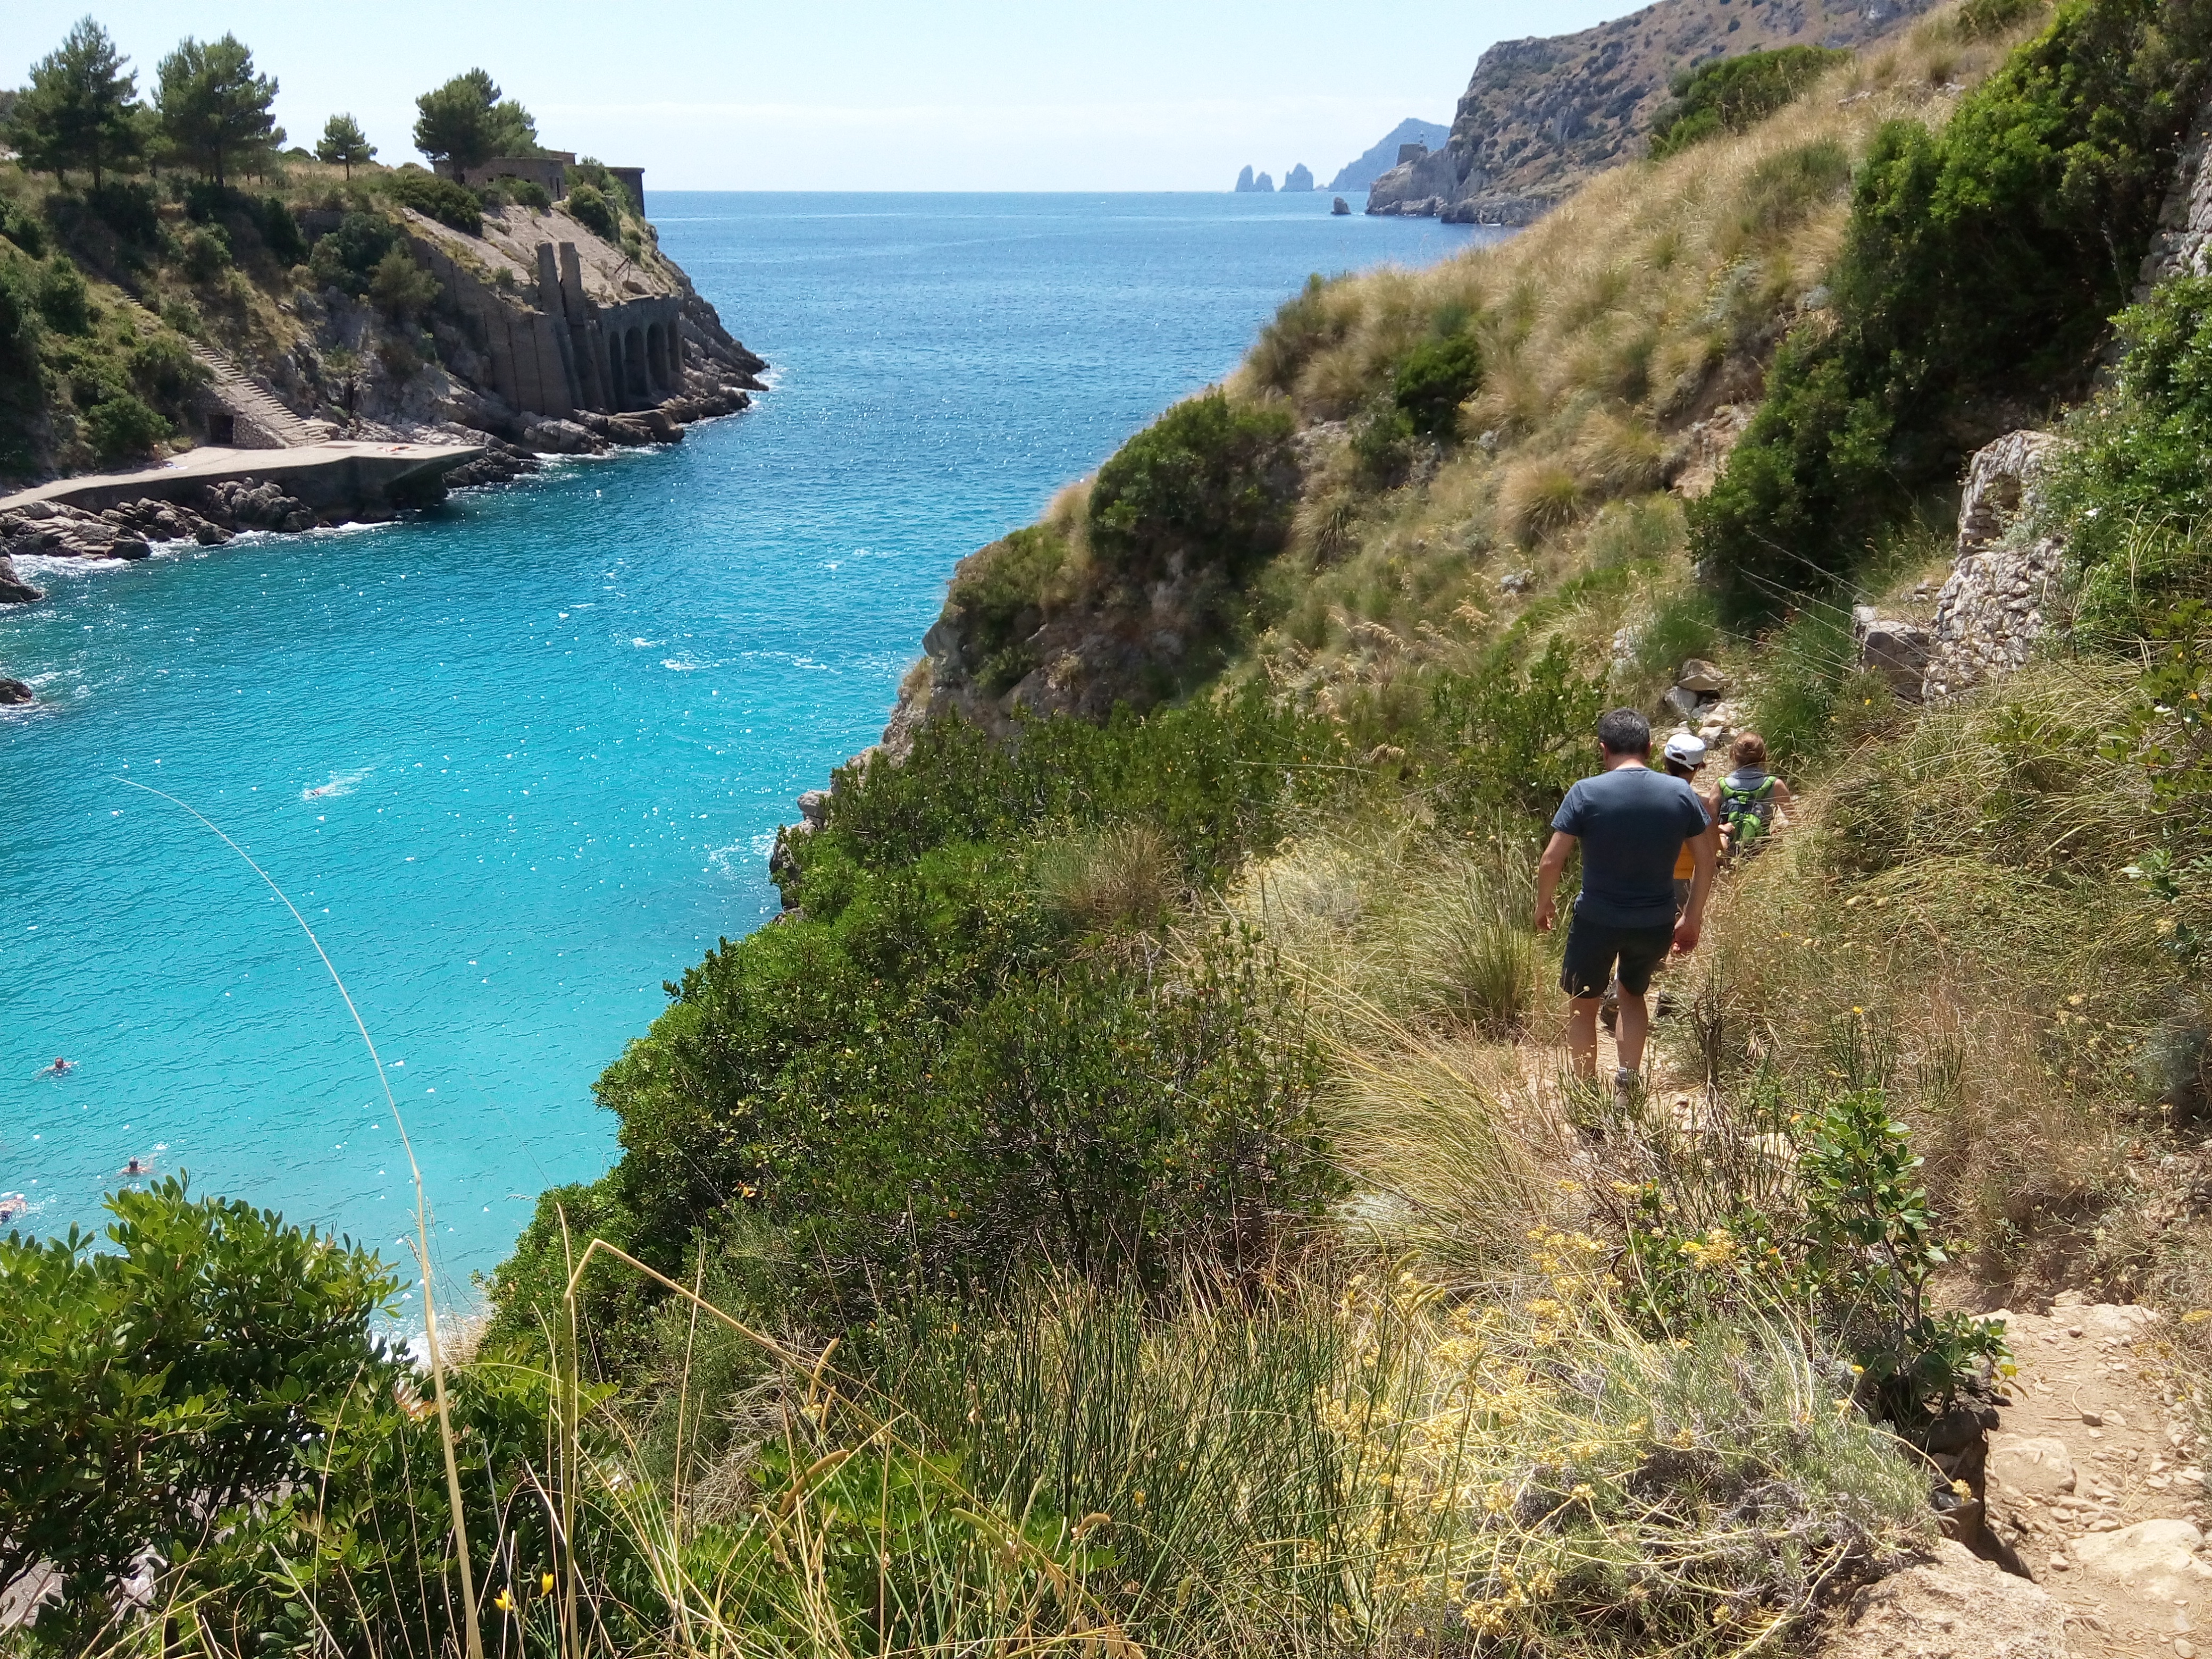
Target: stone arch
column 656, row 355
column 640, row 386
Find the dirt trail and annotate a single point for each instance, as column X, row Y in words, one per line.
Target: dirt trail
column 2095, row 1479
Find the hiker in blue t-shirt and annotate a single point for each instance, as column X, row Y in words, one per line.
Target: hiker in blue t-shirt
column 1632, row 824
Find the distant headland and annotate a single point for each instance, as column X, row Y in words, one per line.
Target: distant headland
column 258, row 337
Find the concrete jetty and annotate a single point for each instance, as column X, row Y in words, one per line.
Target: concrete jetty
column 333, row 474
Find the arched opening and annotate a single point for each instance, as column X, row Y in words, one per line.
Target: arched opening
column 656, row 356
column 616, row 382
column 640, row 384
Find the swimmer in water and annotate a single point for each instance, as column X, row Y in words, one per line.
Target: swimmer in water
column 136, row 1166
column 60, row 1067
column 11, row 1205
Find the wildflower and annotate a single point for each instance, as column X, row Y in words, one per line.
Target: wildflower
column 504, row 1602
column 545, row 1583
column 2196, row 1316
column 1962, row 1489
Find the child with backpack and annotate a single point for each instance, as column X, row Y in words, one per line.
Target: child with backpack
column 1749, row 798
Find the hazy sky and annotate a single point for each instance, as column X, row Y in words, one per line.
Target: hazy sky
column 961, row 95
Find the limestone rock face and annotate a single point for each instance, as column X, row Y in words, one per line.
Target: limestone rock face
column 1992, row 609
column 1244, row 185
column 1955, row 1607
column 1298, row 178
column 2183, row 241
column 1894, row 647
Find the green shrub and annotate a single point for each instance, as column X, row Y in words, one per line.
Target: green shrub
column 589, row 207
column 1734, row 93
column 1847, row 1234
column 347, row 257
column 1000, row 593
column 401, row 287
column 149, row 1387
column 1511, row 741
column 280, row 233
column 21, row 227
column 1210, row 483
column 19, row 324
column 63, row 301
column 1301, row 327
column 1433, row 380
column 164, row 370
column 206, row 253
column 435, row 197
column 1978, row 269
column 121, row 426
column 2130, row 489
column 528, row 191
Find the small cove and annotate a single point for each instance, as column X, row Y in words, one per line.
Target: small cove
column 520, row 761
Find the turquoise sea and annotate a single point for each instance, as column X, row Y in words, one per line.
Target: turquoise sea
column 521, row 760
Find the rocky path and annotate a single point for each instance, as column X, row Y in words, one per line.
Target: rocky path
column 2095, row 1480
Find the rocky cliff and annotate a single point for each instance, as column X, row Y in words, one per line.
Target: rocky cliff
column 1541, row 115
column 1373, row 164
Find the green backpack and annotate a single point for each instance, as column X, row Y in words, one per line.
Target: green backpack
column 1746, row 813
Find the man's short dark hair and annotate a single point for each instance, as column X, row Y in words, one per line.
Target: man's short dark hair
column 1624, row 732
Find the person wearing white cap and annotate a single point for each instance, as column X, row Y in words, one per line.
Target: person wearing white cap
column 1684, row 755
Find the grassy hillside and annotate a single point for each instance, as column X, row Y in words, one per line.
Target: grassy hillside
column 1133, row 1197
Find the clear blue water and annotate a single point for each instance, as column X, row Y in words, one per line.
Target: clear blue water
column 521, row 760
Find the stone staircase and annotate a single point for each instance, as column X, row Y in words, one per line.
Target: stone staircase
column 253, row 404
column 257, row 412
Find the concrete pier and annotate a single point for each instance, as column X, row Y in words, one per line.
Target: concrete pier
column 325, row 476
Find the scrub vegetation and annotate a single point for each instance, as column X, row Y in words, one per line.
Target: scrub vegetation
column 1131, row 1200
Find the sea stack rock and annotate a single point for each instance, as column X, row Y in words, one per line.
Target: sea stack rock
column 1298, row 178
column 1244, row 185
column 1265, row 184
column 1340, row 208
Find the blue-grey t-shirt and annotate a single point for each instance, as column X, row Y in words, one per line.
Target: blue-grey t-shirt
column 1632, row 824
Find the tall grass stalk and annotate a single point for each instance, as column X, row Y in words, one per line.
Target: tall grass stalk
column 470, row 1625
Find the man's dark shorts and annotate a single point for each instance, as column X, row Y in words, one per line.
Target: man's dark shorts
column 1593, row 948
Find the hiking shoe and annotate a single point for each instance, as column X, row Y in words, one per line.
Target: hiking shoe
column 1627, row 1085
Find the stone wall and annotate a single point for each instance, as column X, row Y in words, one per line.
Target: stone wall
column 1998, row 601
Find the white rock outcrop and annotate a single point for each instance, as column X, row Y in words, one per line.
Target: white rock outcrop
column 1995, row 604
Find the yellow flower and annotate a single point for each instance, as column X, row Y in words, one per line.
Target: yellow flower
column 545, row 1582
column 2196, row 1316
column 1962, row 1489
column 503, row 1601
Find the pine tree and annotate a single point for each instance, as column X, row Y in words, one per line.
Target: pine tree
column 215, row 109
column 466, row 123
column 343, row 144
column 78, row 110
